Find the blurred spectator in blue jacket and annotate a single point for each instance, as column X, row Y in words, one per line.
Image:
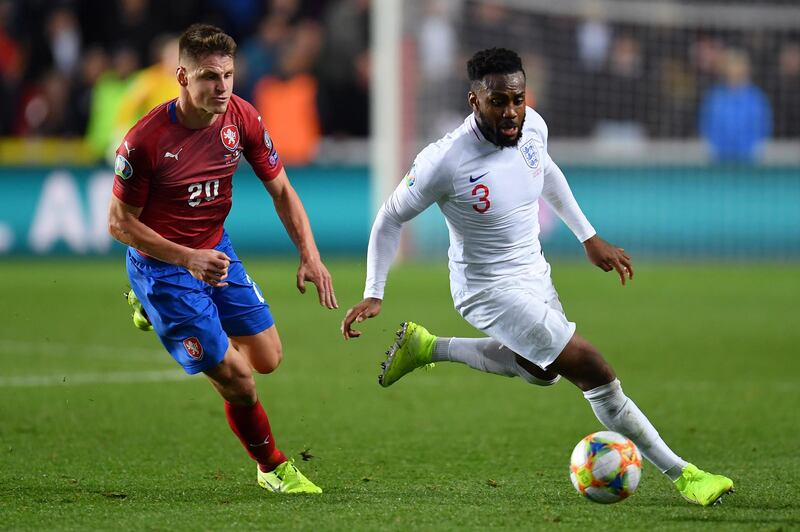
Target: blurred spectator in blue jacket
column 258, row 55
column 735, row 115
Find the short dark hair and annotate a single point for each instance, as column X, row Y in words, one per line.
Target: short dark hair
column 200, row 40
column 493, row 61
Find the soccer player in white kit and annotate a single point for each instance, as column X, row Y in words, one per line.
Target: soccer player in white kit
column 487, row 177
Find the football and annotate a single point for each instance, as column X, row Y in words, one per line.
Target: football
column 605, row 467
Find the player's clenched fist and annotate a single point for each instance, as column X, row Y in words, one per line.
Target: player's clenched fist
column 209, row 266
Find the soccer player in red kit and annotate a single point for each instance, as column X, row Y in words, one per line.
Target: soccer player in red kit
column 172, row 193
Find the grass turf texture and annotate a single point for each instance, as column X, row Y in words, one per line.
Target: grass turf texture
column 708, row 352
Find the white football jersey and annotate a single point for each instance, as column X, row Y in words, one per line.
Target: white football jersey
column 489, row 197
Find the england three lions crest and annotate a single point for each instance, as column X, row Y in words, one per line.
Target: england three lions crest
column 530, row 154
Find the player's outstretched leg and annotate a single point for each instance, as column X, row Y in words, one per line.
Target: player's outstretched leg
column 412, row 349
column 490, row 356
column 416, row 347
column 140, row 319
column 583, row 365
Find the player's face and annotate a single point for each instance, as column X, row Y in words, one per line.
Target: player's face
column 499, row 107
column 210, row 83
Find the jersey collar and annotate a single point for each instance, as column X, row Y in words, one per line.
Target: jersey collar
column 473, row 126
column 172, row 110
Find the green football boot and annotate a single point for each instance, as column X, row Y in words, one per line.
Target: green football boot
column 140, row 319
column 702, row 488
column 286, row 479
column 412, row 349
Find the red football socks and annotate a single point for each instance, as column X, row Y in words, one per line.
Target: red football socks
column 251, row 426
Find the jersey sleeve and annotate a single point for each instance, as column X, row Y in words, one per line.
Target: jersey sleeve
column 133, row 170
column 424, row 184
column 259, row 150
column 558, row 195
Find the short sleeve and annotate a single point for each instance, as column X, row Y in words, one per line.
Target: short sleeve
column 133, row 171
column 259, row 150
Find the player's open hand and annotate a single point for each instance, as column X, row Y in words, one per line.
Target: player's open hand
column 314, row 271
column 209, row 266
column 368, row 308
column 608, row 257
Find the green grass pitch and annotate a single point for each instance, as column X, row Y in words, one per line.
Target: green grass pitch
column 99, row 430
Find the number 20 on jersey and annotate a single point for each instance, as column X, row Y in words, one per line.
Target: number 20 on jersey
column 210, row 187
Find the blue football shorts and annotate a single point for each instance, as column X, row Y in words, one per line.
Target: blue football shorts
column 193, row 319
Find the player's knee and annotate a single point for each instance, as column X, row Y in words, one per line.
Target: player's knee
column 269, row 361
column 542, row 382
column 582, row 364
column 535, row 375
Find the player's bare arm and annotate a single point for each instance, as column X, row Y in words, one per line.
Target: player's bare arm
column 207, row 265
column 367, row 308
column 608, row 257
column 293, row 216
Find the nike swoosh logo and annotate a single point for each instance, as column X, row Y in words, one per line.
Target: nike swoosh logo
column 473, row 179
column 265, row 442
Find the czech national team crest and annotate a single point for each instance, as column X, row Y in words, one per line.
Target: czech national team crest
column 230, row 137
column 530, row 154
column 193, row 347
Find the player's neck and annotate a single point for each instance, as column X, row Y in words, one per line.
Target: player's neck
column 193, row 117
column 485, row 132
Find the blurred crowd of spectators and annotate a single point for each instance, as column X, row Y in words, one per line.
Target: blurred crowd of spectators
column 90, row 68
column 93, row 67
column 590, row 76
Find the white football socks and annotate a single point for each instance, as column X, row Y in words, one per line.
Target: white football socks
column 484, row 354
column 618, row 413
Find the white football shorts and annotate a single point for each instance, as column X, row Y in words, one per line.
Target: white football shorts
column 525, row 317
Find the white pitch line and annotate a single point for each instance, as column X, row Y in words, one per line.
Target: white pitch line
column 44, row 347
column 111, row 377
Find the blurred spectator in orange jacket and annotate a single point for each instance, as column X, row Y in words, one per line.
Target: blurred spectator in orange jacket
column 287, row 101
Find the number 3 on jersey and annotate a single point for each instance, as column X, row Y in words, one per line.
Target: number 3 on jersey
column 196, row 190
column 482, row 192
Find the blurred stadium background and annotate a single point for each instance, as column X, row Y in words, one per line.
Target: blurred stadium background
column 678, row 126
column 677, row 123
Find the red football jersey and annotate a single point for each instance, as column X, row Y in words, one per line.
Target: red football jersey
column 181, row 177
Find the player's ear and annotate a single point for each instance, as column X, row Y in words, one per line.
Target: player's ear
column 182, row 76
column 472, row 98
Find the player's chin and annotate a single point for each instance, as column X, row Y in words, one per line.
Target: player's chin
column 218, row 105
column 509, row 138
